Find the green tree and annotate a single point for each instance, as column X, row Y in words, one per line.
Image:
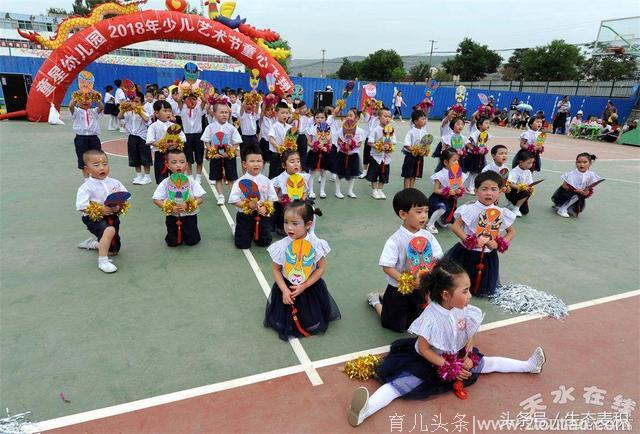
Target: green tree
column 441, row 75
column 512, row 70
column 556, row 61
column 84, row 7
column 57, row 11
column 472, row 61
column 610, row 67
column 420, row 71
column 348, row 70
column 383, row 65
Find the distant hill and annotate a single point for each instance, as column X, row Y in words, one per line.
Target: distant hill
column 313, row 67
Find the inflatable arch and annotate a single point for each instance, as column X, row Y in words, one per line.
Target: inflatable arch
column 73, row 55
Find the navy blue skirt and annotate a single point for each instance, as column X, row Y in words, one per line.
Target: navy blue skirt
column 449, row 204
column 316, row 308
column 318, row 161
column 301, row 141
column 366, row 152
column 412, row 166
column 403, row 367
column 562, row 196
column 473, row 163
column 469, row 259
column 347, row 166
column 514, row 196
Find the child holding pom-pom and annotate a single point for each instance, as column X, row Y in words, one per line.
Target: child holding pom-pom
column 442, row 357
column 577, row 187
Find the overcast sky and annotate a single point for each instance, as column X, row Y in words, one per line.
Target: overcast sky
column 360, row 27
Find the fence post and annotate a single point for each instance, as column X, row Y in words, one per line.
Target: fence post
column 546, row 90
column 613, row 84
column 489, row 84
column 577, row 86
column 520, row 89
column 510, row 83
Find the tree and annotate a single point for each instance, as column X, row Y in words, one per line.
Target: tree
column 512, row 70
column 610, row 67
column 441, row 75
column 57, row 11
column 420, row 71
column 383, row 65
column 84, row 7
column 472, row 61
column 557, row 61
column 348, row 70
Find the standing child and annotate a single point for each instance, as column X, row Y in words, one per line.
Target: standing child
column 300, row 120
column 288, row 187
column 86, row 124
column 276, row 138
column 299, row 304
column 120, row 98
column 222, row 141
column 474, row 159
column 577, row 187
column 101, row 220
column 110, row 108
column 253, row 196
column 413, row 149
column 532, row 142
column 480, row 226
column 319, row 154
column 350, row 138
column 136, row 122
column 447, row 188
column 267, row 119
column 520, row 189
column 236, row 106
column 442, row 357
column 499, row 154
column 248, row 125
column 373, row 120
column 455, row 140
column 179, row 197
column 156, row 133
column 410, row 249
column 382, row 139
column 149, row 100
column 191, row 112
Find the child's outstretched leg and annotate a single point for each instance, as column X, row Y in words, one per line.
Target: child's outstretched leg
column 502, row 364
column 103, row 250
column 363, row 406
column 562, row 210
column 431, row 224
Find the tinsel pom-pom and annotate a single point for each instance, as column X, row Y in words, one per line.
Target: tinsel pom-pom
column 285, row 200
column 211, row 152
column 531, row 148
column 446, row 191
column 503, row 245
column 471, row 242
column 474, row 357
column 451, row 368
column 269, row 208
column 124, row 208
column 406, row 283
column 231, row 152
column 252, row 98
column 190, row 205
column 18, row 423
column 589, row 193
column 362, row 368
column 247, row 206
column 94, row 211
column 167, row 207
column 523, row 299
column 522, row 187
column 340, row 104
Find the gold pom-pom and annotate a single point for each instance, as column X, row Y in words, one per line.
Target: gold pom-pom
column 124, row 208
column 191, row 205
column 340, row 104
column 252, row 98
column 406, row 283
column 94, row 211
column 362, row 368
column 231, row 152
column 269, row 207
column 167, row 207
column 246, row 205
column 211, row 152
column 378, row 146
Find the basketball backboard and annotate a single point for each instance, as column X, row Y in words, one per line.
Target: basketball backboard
column 619, row 36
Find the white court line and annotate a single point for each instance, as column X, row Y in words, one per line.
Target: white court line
column 270, row 375
column 299, row 351
column 608, row 179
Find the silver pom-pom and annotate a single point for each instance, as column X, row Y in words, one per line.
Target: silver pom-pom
column 524, row 299
column 17, row 424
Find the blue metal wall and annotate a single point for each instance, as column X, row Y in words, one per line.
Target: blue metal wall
column 413, row 94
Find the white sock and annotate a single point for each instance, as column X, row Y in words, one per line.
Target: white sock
column 103, row 260
column 435, row 216
column 381, row 398
column 338, row 191
column 352, row 182
column 469, row 183
column 323, row 182
column 568, row 203
column 503, row 364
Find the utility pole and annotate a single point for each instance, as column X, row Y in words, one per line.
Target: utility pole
column 431, row 52
column 322, row 71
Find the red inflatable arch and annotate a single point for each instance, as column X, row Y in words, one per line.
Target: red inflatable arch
column 66, row 62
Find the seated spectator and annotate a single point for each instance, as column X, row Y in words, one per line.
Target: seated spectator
column 576, row 123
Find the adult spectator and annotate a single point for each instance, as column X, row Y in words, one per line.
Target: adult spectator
column 562, row 111
column 608, row 111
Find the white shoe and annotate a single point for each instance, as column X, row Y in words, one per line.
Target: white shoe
column 381, row 195
column 212, row 182
column 137, row 180
column 352, row 195
column 146, row 179
column 122, row 130
column 322, row 195
column 562, row 213
column 312, row 195
column 432, row 229
column 90, row 244
column 540, row 360
column 221, row 199
column 358, row 407
column 339, row 195
column 108, row 267
column 198, row 178
column 363, row 175
column 374, row 194
column 374, row 298
column 471, row 191
column 517, row 212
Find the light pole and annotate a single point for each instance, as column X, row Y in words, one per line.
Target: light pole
column 322, row 71
column 431, row 54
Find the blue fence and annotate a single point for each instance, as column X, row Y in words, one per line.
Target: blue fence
column 412, row 94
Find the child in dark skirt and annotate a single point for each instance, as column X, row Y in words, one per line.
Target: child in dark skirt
column 347, row 166
column 318, row 155
column 302, row 120
column 396, row 310
column 454, row 140
column 372, row 119
column 576, row 188
column 519, row 179
column 530, row 141
column 442, row 358
column 443, row 201
column 413, row 165
column 474, row 159
column 299, row 304
column 480, row 226
column 292, row 165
